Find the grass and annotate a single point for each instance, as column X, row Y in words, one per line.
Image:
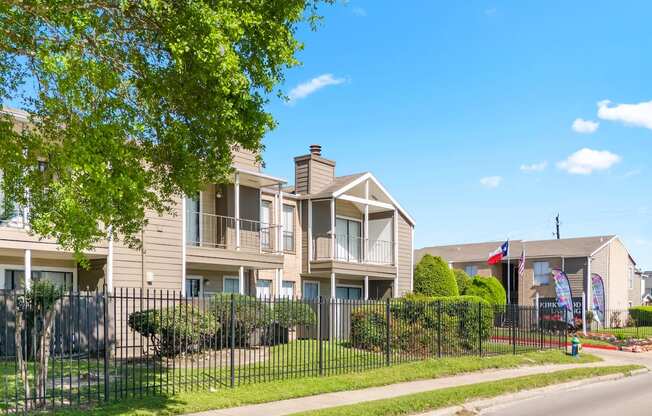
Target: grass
column 641, row 331
column 436, row 399
column 301, row 387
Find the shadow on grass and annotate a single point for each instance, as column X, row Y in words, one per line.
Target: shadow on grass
column 151, row 405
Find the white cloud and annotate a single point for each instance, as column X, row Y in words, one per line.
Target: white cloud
column 585, row 126
column 359, row 11
column 639, row 115
column 491, row 181
column 585, row 161
column 634, row 172
column 305, row 89
column 535, row 167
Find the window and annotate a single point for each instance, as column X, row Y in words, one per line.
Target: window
column 263, row 288
column 471, row 270
column 265, row 219
column 541, row 273
column 310, row 290
column 192, row 221
column 15, row 279
column 193, row 287
column 231, row 285
column 287, row 289
column 348, row 234
column 288, row 228
column 348, row 292
column 631, row 278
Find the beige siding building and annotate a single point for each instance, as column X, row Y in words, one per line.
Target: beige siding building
column 579, row 258
column 331, row 236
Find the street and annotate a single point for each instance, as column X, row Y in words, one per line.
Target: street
column 631, row 396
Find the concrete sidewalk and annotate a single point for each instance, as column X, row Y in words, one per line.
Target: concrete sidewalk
column 322, row 401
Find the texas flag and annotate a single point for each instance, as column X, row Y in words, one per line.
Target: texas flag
column 497, row 256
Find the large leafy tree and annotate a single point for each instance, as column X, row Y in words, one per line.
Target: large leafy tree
column 134, row 102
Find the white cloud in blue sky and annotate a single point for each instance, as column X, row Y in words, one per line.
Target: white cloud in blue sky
column 491, row 181
column 309, row 87
column 585, row 161
column 535, row 167
column 359, row 11
column 585, row 126
column 639, row 115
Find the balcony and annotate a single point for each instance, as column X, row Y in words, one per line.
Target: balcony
column 352, row 250
column 229, row 233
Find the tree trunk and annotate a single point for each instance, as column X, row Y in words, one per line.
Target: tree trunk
column 22, row 365
column 44, row 356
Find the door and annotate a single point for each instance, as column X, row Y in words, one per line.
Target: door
column 344, row 305
column 310, row 290
column 349, row 242
column 265, row 219
column 192, row 221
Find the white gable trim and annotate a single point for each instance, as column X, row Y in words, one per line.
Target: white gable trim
column 370, row 176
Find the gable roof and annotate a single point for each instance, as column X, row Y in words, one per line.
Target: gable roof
column 341, row 184
column 565, row 247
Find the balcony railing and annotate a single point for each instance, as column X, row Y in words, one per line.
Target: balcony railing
column 352, row 249
column 221, row 232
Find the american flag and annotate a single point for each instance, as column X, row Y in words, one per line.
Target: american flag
column 521, row 265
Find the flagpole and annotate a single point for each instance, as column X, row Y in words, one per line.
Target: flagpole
column 509, row 280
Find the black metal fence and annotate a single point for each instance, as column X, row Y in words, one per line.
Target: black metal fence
column 619, row 326
column 133, row 343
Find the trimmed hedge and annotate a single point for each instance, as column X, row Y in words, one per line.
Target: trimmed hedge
column 172, row 331
column 433, row 277
column 415, row 321
column 642, row 315
column 291, row 313
column 251, row 314
column 463, row 280
column 488, row 288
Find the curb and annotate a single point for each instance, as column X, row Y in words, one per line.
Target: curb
column 477, row 406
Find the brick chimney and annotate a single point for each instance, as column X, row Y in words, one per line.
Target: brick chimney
column 312, row 172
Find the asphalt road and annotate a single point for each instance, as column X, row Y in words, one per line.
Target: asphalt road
column 630, row 396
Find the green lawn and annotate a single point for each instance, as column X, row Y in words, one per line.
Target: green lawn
column 629, row 332
column 436, row 399
column 301, row 387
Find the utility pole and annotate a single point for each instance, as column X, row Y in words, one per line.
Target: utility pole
column 557, row 225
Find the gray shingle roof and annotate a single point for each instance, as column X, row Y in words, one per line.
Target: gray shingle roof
column 567, row 247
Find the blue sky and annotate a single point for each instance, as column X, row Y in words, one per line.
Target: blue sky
column 465, row 112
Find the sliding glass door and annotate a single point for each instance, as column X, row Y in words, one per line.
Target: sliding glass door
column 348, row 239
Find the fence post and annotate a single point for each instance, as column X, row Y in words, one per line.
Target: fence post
column 480, row 327
column 107, row 344
column 232, row 349
column 439, row 329
column 320, row 316
column 513, row 310
column 388, row 344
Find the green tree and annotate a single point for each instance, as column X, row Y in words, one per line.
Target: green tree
column 433, row 277
column 135, row 103
column 463, row 280
column 488, row 288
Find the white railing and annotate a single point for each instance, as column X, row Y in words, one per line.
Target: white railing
column 222, row 232
column 352, row 249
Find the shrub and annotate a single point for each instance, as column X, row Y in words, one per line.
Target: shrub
column 251, row 314
column 487, row 288
column 433, row 277
column 415, row 323
column 291, row 313
column 642, row 315
column 172, row 331
column 463, row 280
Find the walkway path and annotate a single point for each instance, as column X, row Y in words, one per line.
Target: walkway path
column 322, row 401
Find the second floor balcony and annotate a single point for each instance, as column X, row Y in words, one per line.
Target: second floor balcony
column 352, row 249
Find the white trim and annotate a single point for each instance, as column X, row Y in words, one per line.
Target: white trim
column 366, row 201
column 412, row 261
column 28, row 269
column 333, row 285
column 109, row 263
column 237, row 210
column 310, row 254
column 261, row 175
column 366, row 288
column 201, row 283
column 369, row 175
column 303, row 286
column 184, row 243
column 241, row 281
column 200, row 222
column 333, row 230
column 396, row 252
column 604, row 245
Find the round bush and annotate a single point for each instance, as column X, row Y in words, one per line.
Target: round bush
column 251, row 314
column 641, row 315
column 487, row 288
column 369, row 328
column 433, row 277
column 463, row 280
column 291, row 313
column 172, row 331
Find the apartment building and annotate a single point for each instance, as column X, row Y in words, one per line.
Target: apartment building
column 578, row 257
column 332, row 236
